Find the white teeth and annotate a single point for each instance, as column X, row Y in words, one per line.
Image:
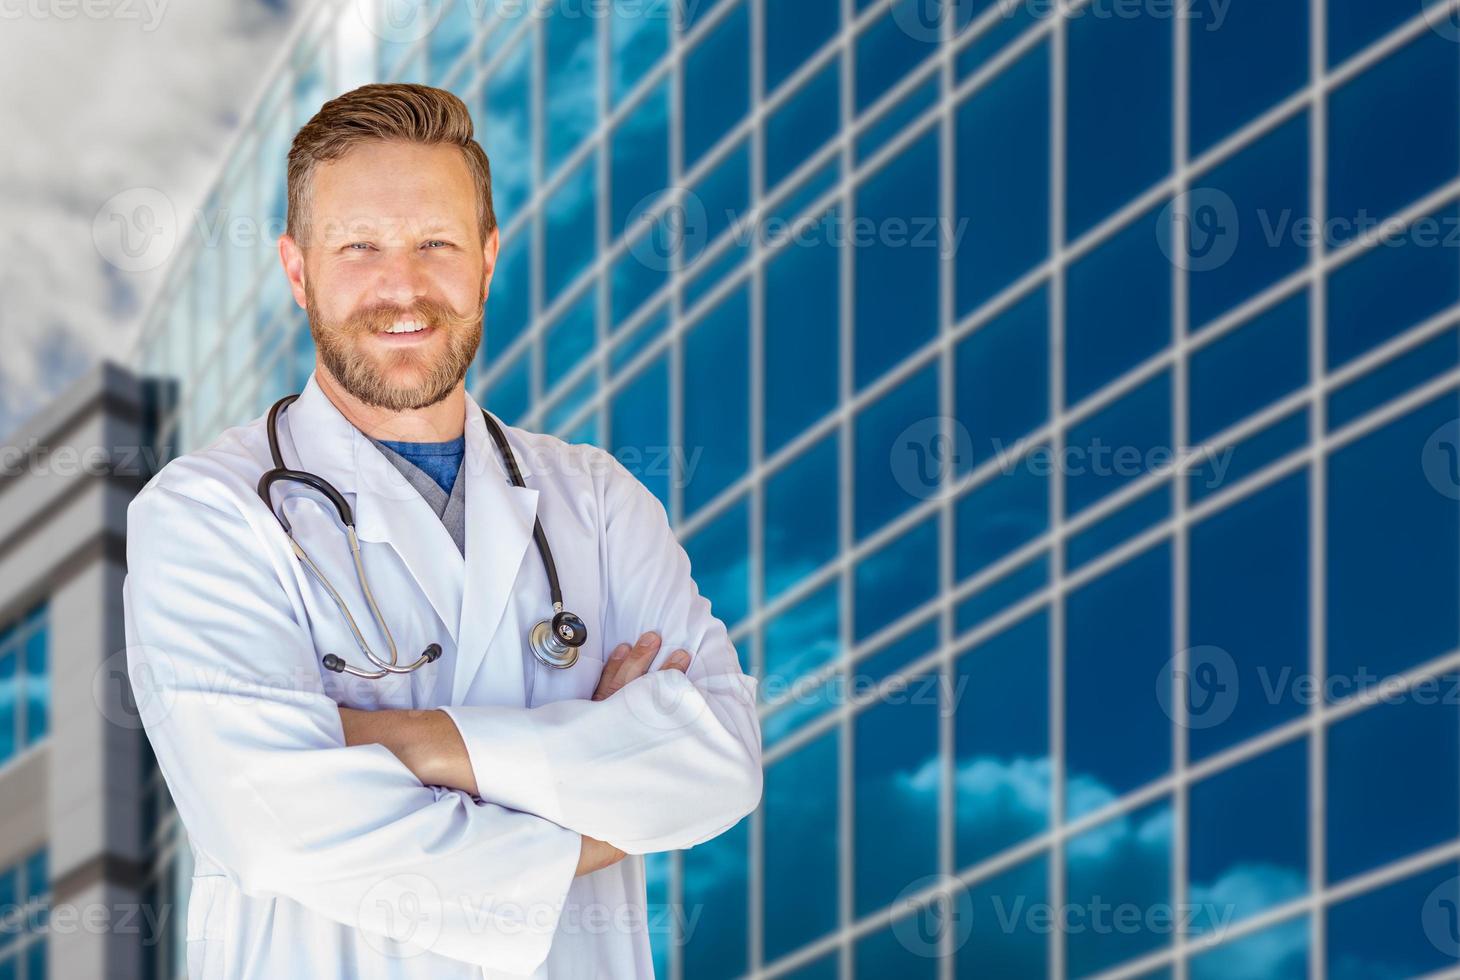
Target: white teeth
column 406, row 326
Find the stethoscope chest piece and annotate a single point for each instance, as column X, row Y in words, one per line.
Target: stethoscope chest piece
column 555, row 643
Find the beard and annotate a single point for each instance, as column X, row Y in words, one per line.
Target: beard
column 370, row 376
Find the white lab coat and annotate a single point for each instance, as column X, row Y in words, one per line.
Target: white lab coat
column 317, row 860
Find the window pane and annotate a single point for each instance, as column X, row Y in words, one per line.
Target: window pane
column 1118, row 126
column 507, row 135
column 1119, row 309
column 794, row 30
column 639, row 422
column 1354, row 24
column 1117, row 640
column 570, row 338
column 1393, row 534
column 1125, row 862
column 895, row 44
column 1387, row 148
column 1001, row 184
column 715, row 885
column 716, row 401
column 804, row 123
column 640, row 161
column 1277, row 952
column 997, row 947
column 1393, row 378
column 888, row 477
column 1392, row 287
column 570, row 240
column 1001, row 737
column 802, row 504
column 896, row 579
column 895, row 951
column 570, row 42
column 1244, row 64
column 1002, row 378
column 802, row 639
column 801, row 846
column 1249, row 368
column 897, row 263
column 37, row 686
column 1392, row 930
column 1249, row 838
column 1245, row 231
column 639, row 34
column 896, row 793
column 1248, row 596
column 716, row 84
column 1118, row 444
column 802, row 337
column 997, row 517
column 510, row 395
column 9, row 706
column 724, row 193
column 720, row 562
column 1391, row 779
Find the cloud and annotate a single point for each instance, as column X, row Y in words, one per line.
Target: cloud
column 149, row 96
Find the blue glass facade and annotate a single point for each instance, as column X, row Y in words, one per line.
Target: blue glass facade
column 24, row 918
column 1066, row 459
column 25, row 699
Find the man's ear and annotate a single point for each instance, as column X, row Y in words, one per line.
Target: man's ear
column 291, row 256
column 489, row 259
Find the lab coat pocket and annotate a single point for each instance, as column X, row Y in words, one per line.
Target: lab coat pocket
column 207, row 928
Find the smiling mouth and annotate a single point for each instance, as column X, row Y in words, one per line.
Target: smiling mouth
column 406, row 327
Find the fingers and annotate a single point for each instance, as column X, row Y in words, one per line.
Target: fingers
column 627, row 663
column 678, row 660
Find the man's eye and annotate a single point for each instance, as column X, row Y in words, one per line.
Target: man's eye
column 437, row 241
column 359, row 245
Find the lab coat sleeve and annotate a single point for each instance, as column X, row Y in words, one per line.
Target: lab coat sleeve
column 670, row 760
column 252, row 750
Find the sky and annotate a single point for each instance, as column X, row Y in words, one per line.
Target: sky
column 106, row 96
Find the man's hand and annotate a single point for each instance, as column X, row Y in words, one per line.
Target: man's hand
column 627, row 663
column 596, row 855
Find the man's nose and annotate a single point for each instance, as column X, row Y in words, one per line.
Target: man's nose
column 402, row 280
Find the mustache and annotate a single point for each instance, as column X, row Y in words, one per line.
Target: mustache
column 432, row 313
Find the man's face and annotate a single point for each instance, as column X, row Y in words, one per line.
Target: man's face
column 394, row 274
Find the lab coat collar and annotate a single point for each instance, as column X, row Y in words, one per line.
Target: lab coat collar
column 499, row 523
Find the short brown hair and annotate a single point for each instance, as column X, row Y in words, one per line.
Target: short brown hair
column 404, row 112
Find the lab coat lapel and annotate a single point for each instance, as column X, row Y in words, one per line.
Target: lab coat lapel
column 499, row 523
column 387, row 508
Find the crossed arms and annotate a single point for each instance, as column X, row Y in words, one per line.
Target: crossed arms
column 256, row 757
column 429, row 744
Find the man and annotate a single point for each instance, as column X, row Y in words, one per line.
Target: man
column 481, row 815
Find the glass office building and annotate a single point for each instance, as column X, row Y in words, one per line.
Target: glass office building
column 1057, row 400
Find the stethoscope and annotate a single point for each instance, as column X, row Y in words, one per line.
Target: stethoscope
column 555, row 643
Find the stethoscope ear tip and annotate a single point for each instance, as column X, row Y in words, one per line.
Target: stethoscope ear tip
column 334, row 663
column 432, row 653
